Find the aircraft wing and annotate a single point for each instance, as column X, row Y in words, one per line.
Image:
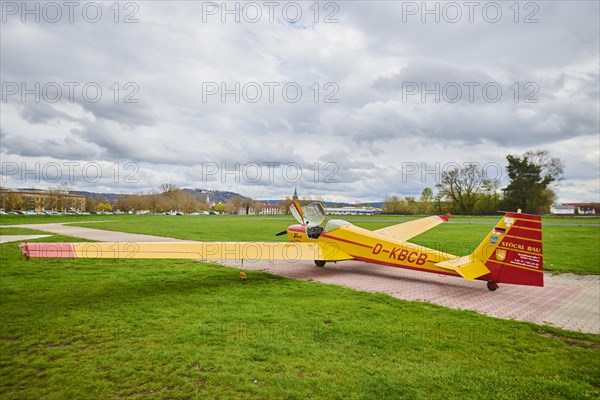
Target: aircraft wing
column 407, row 230
column 249, row 251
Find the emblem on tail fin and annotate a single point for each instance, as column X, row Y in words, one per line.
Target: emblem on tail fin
column 500, row 254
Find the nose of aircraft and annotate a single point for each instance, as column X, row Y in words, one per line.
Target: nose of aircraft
column 296, row 228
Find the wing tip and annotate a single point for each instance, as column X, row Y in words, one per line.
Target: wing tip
column 25, row 250
column 444, row 218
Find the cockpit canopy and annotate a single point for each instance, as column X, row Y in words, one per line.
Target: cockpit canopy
column 312, row 214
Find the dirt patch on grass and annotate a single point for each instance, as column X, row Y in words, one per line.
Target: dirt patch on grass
column 572, row 342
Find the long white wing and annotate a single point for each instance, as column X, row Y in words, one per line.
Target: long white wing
column 214, row 251
column 407, row 230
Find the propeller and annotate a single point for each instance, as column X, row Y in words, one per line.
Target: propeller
column 281, row 233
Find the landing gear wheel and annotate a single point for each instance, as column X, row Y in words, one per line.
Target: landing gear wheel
column 492, row 286
column 319, row 263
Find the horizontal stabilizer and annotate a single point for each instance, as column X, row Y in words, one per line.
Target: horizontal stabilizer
column 466, row 266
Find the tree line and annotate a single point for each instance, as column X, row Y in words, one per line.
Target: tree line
column 468, row 190
column 171, row 198
column 167, row 198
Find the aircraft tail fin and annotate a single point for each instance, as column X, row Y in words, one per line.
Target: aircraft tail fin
column 512, row 251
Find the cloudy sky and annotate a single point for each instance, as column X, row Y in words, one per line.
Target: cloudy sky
column 347, row 100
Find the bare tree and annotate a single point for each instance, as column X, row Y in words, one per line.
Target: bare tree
column 187, row 202
column 257, row 206
column 391, row 205
column 247, row 204
column 233, row 205
column 425, row 199
column 284, row 205
column 463, row 186
column 552, row 168
column 167, row 188
column 11, row 201
column 64, row 188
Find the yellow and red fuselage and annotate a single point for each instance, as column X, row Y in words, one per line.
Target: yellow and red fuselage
column 512, row 251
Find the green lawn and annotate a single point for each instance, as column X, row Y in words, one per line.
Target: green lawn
column 386, row 219
column 178, row 329
column 43, row 219
column 20, row 231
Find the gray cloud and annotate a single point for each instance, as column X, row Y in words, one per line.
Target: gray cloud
column 68, row 148
column 369, row 129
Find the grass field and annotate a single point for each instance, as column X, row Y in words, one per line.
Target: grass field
column 180, row 329
column 567, row 248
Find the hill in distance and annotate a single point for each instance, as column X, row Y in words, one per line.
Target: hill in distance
column 218, row 196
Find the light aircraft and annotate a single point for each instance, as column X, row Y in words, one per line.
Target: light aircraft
column 510, row 253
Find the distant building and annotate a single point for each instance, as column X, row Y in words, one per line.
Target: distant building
column 266, row 209
column 575, row 208
column 352, row 210
column 209, row 203
column 270, row 209
column 583, row 208
column 559, row 209
column 40, row 200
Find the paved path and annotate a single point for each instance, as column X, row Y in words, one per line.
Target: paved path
column 94, row 234
column 567, row 301
column 19, row 238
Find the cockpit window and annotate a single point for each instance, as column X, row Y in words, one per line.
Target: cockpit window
column 335, row 224
column 314, row 213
